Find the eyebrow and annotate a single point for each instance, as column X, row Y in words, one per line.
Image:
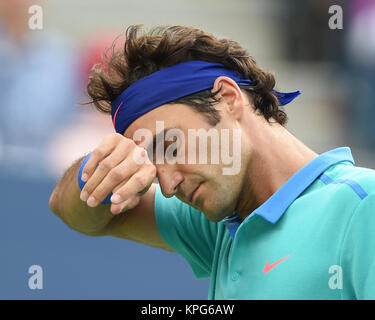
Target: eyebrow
column 161, row 133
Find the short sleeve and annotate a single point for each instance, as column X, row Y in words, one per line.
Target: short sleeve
column 187, row 231
column 358, row 251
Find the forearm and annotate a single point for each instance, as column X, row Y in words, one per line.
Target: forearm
column 65, row 202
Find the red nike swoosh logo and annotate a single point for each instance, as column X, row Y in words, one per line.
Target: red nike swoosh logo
column 268, row 268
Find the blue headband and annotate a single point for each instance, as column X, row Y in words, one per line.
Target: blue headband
column 172, row 83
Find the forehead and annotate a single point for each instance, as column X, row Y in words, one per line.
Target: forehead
column 172, row 115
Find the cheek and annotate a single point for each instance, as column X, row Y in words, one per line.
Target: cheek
column 225, row 190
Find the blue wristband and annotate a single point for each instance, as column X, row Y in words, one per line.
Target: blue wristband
column 81, row 183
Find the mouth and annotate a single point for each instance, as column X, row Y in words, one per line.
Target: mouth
column 192, row 195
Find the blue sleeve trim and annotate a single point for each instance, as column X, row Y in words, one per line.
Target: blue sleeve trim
column 353, row 184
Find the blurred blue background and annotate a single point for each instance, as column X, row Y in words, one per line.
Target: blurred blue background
column 43, row 76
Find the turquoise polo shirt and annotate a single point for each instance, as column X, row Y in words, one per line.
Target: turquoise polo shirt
column 312, row 239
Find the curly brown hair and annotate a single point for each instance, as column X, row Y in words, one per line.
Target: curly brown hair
column 165, row 46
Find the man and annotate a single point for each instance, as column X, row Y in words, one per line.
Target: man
column 286, row 223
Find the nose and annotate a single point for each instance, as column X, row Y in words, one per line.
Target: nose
column 169, row 180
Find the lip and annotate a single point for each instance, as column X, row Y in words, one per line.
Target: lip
column 194, row 193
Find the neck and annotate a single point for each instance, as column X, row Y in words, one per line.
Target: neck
column 275, row 156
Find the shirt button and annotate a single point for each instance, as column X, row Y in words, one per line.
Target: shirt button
column 235, row 276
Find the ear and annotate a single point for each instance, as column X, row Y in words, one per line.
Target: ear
column 230, row 94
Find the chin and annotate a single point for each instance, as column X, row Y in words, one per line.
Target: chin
column 215, row 214
column 213, row 209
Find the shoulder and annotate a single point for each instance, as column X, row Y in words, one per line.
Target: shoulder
column 364, row 177
column 361, row 180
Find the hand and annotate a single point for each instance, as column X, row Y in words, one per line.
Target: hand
column 117, row 165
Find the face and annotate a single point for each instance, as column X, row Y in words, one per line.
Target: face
column 214, row 182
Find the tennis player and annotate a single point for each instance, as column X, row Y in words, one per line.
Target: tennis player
column 283, row 223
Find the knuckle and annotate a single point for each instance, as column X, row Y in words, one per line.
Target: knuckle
column 117, row 136
column 88, row 188
column 140, row 180
column 98, row 153
column 128, row 144
column 111, row 137
column 135, row 201
column 151, row 168
column 87, row 169
column 99, row 193
column 114, row 141
column 132, row 202
column 124, row 194
column 148, row 172
column 116, row 174
column 126, row 141
column 96, row 194
column 106, row 164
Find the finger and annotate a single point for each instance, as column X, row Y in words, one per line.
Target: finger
column 116, row 177
column 98, row 154
column 137, row 185
column 104, row 167
column 125, row 205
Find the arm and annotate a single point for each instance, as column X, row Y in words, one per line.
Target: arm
column 358, row 251
column 134, row 220
column 65, row 202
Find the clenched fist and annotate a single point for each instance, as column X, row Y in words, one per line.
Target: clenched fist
column 117, row 165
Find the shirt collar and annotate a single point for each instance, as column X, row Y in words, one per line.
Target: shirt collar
column 278, row 203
